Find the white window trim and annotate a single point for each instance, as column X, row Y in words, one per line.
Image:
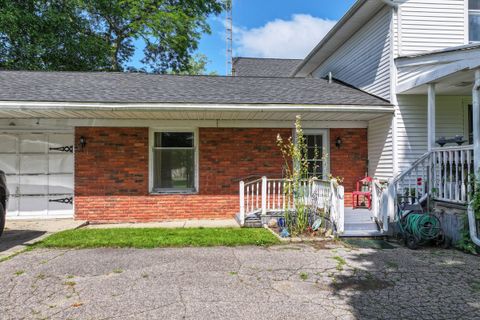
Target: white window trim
column 326, row 145
column 151, row 141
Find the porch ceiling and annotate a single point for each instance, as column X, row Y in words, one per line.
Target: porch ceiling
column 456, row 84
column 452, row 70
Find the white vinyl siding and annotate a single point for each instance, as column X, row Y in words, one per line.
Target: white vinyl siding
column 427, row 25
column 412, row 124
column 380, row 159
column 364, row 60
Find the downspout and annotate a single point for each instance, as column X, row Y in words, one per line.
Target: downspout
column 476, row 137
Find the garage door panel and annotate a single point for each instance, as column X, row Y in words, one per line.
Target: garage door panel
column 13, row 183
column 60, row 184
column 35, row 184
column 12, row 208
column 58, row 206
column 9, row 163
column 33, row 143
column 40, row 179
column 56, row 141
column 33, row 164
column 33, row 206
column 8, row 143
column 60, row 163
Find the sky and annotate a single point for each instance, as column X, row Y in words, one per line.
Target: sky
column 267, row 28
column 272, row 28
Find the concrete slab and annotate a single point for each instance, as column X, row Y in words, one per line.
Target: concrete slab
column 289, row 281
column 217, row 223
column 19, row 234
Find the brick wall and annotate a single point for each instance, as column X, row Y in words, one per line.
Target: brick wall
column 350, row 160
column 111, row 173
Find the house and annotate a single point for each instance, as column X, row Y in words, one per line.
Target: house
column 142, row 147
column 389, row 80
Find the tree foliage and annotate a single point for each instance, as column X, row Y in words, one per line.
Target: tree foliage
column 101, row 34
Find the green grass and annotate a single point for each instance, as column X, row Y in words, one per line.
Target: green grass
column 158, row 238
column 340, row 262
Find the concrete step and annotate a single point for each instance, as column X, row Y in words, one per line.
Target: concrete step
column 361, row 233
column 361, row 226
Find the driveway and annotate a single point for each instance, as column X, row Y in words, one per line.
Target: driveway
column 295, row 281
column 20, row 233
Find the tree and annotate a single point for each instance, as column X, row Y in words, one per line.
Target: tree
column 48, row 35
column 100, row 34
column 197, row 66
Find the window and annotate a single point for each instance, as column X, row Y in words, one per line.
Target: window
column 316, row 144
column 474, row 20
column 174, row 162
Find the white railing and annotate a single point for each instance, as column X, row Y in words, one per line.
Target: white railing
column 337, row 206
column 452, row 173
column 445, row 173
column 380, row 204
column 269, row 196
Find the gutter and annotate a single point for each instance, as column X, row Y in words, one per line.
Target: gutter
column 471, row 214
column 86, row 106
column 390, row 3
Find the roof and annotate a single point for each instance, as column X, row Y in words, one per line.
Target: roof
column 358, row 15
column 264, row 67
column 117, row 87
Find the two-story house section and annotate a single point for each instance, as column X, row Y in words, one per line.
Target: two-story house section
column 423, row 56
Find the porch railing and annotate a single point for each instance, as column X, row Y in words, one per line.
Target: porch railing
column 268, row 196
column 380, row 204
column 445, row 173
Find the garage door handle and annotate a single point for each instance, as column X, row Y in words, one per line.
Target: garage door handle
column 63, row 149
column 68, row 200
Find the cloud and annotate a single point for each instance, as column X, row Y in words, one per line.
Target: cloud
column 279, row 38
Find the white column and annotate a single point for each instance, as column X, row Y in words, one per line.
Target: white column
column 476, row 122
column 431, row 116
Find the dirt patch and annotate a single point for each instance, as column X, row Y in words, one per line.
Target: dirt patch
column 324, row 245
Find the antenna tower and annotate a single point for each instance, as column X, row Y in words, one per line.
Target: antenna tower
column 228, row 37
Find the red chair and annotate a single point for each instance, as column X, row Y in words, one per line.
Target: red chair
column 363, row 192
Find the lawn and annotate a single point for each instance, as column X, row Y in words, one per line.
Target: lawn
column 158, row 238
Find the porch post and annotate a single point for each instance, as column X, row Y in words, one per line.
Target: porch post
column 431, row 116
column 476, row 121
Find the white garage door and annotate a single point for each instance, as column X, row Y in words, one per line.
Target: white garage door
column 39, row 168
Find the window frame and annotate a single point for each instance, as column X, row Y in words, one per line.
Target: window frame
column 325, row 133
column 151, row 161
column 467, row 22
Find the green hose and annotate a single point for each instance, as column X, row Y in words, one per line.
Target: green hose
column 422, row 226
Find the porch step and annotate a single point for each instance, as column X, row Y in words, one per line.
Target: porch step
column 250, row 222
column 361, row 233
column 361, row 226
column 359, row 223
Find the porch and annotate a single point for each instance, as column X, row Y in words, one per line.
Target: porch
column 438, row 129
column 265, row 198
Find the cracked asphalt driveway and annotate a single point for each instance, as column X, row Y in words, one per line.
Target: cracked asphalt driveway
column 295, row 281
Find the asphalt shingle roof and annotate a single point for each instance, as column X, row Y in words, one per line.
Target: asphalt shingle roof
column 264, row 67
column 152, row 88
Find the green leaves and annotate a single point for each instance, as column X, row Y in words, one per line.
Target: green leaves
column 100, row 34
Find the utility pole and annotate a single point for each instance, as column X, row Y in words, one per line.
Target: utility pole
column 228, row 37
